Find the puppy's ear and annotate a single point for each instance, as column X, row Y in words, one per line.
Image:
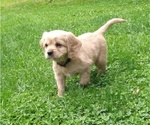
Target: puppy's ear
column 73, row 45
column 45, row 34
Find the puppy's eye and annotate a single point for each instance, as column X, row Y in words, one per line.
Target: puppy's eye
column 58, row 45
column 46, row 45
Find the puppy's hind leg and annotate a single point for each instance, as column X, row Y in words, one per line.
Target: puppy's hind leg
column 101, row 61
column 85, row 78
column 101, row 64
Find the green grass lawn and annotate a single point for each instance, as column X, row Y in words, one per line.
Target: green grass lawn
column 121, row 96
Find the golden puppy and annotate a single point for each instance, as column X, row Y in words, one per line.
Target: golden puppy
column 73, row 55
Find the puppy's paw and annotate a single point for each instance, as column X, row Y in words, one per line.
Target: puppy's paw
column 59, row 95
column 84, row 86
column 100, row 72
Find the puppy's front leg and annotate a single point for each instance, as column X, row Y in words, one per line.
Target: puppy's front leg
column 85, row 77
column 60, row 80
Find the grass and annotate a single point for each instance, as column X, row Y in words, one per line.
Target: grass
column 28, row 89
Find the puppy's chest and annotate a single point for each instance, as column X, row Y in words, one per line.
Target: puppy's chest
column 72, row 70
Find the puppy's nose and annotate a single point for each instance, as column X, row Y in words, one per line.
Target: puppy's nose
column 50, row 53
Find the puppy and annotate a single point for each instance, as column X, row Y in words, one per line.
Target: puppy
column 73, row 55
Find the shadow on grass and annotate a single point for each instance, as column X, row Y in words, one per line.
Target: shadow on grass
column 103, row 80
column 116, row 73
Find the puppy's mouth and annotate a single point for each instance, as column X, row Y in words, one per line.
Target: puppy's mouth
column 52, row 56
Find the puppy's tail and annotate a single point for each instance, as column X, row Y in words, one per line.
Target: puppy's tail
column 108, row 24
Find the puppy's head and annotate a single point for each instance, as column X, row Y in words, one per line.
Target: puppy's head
column 59, row 45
